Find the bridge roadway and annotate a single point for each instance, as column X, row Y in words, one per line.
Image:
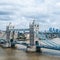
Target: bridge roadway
column 49, row 45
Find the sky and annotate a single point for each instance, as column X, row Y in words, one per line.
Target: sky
column 21, row 12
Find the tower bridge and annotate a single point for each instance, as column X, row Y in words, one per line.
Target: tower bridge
column 33, row 31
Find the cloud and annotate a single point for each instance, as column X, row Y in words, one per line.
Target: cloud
column 19, row 12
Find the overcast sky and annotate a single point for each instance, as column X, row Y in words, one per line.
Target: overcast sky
column 21, row 12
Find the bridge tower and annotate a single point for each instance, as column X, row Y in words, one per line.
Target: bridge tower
column 7, row 34
column 34, row 41
column 31, row 26
column 34, row 29
column 13, row 32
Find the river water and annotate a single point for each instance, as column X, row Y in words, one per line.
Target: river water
column 14, row 54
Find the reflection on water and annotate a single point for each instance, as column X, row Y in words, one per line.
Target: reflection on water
column 13, row 54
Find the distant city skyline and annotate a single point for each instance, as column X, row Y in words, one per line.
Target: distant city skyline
column 21, row 12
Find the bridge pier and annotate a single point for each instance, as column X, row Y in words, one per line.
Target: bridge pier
column 38, row 49
column 12, row 43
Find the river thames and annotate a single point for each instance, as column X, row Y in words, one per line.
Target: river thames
column 15, row 54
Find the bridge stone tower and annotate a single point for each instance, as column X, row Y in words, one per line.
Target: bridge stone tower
column 34, row 28
column 7, row 34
